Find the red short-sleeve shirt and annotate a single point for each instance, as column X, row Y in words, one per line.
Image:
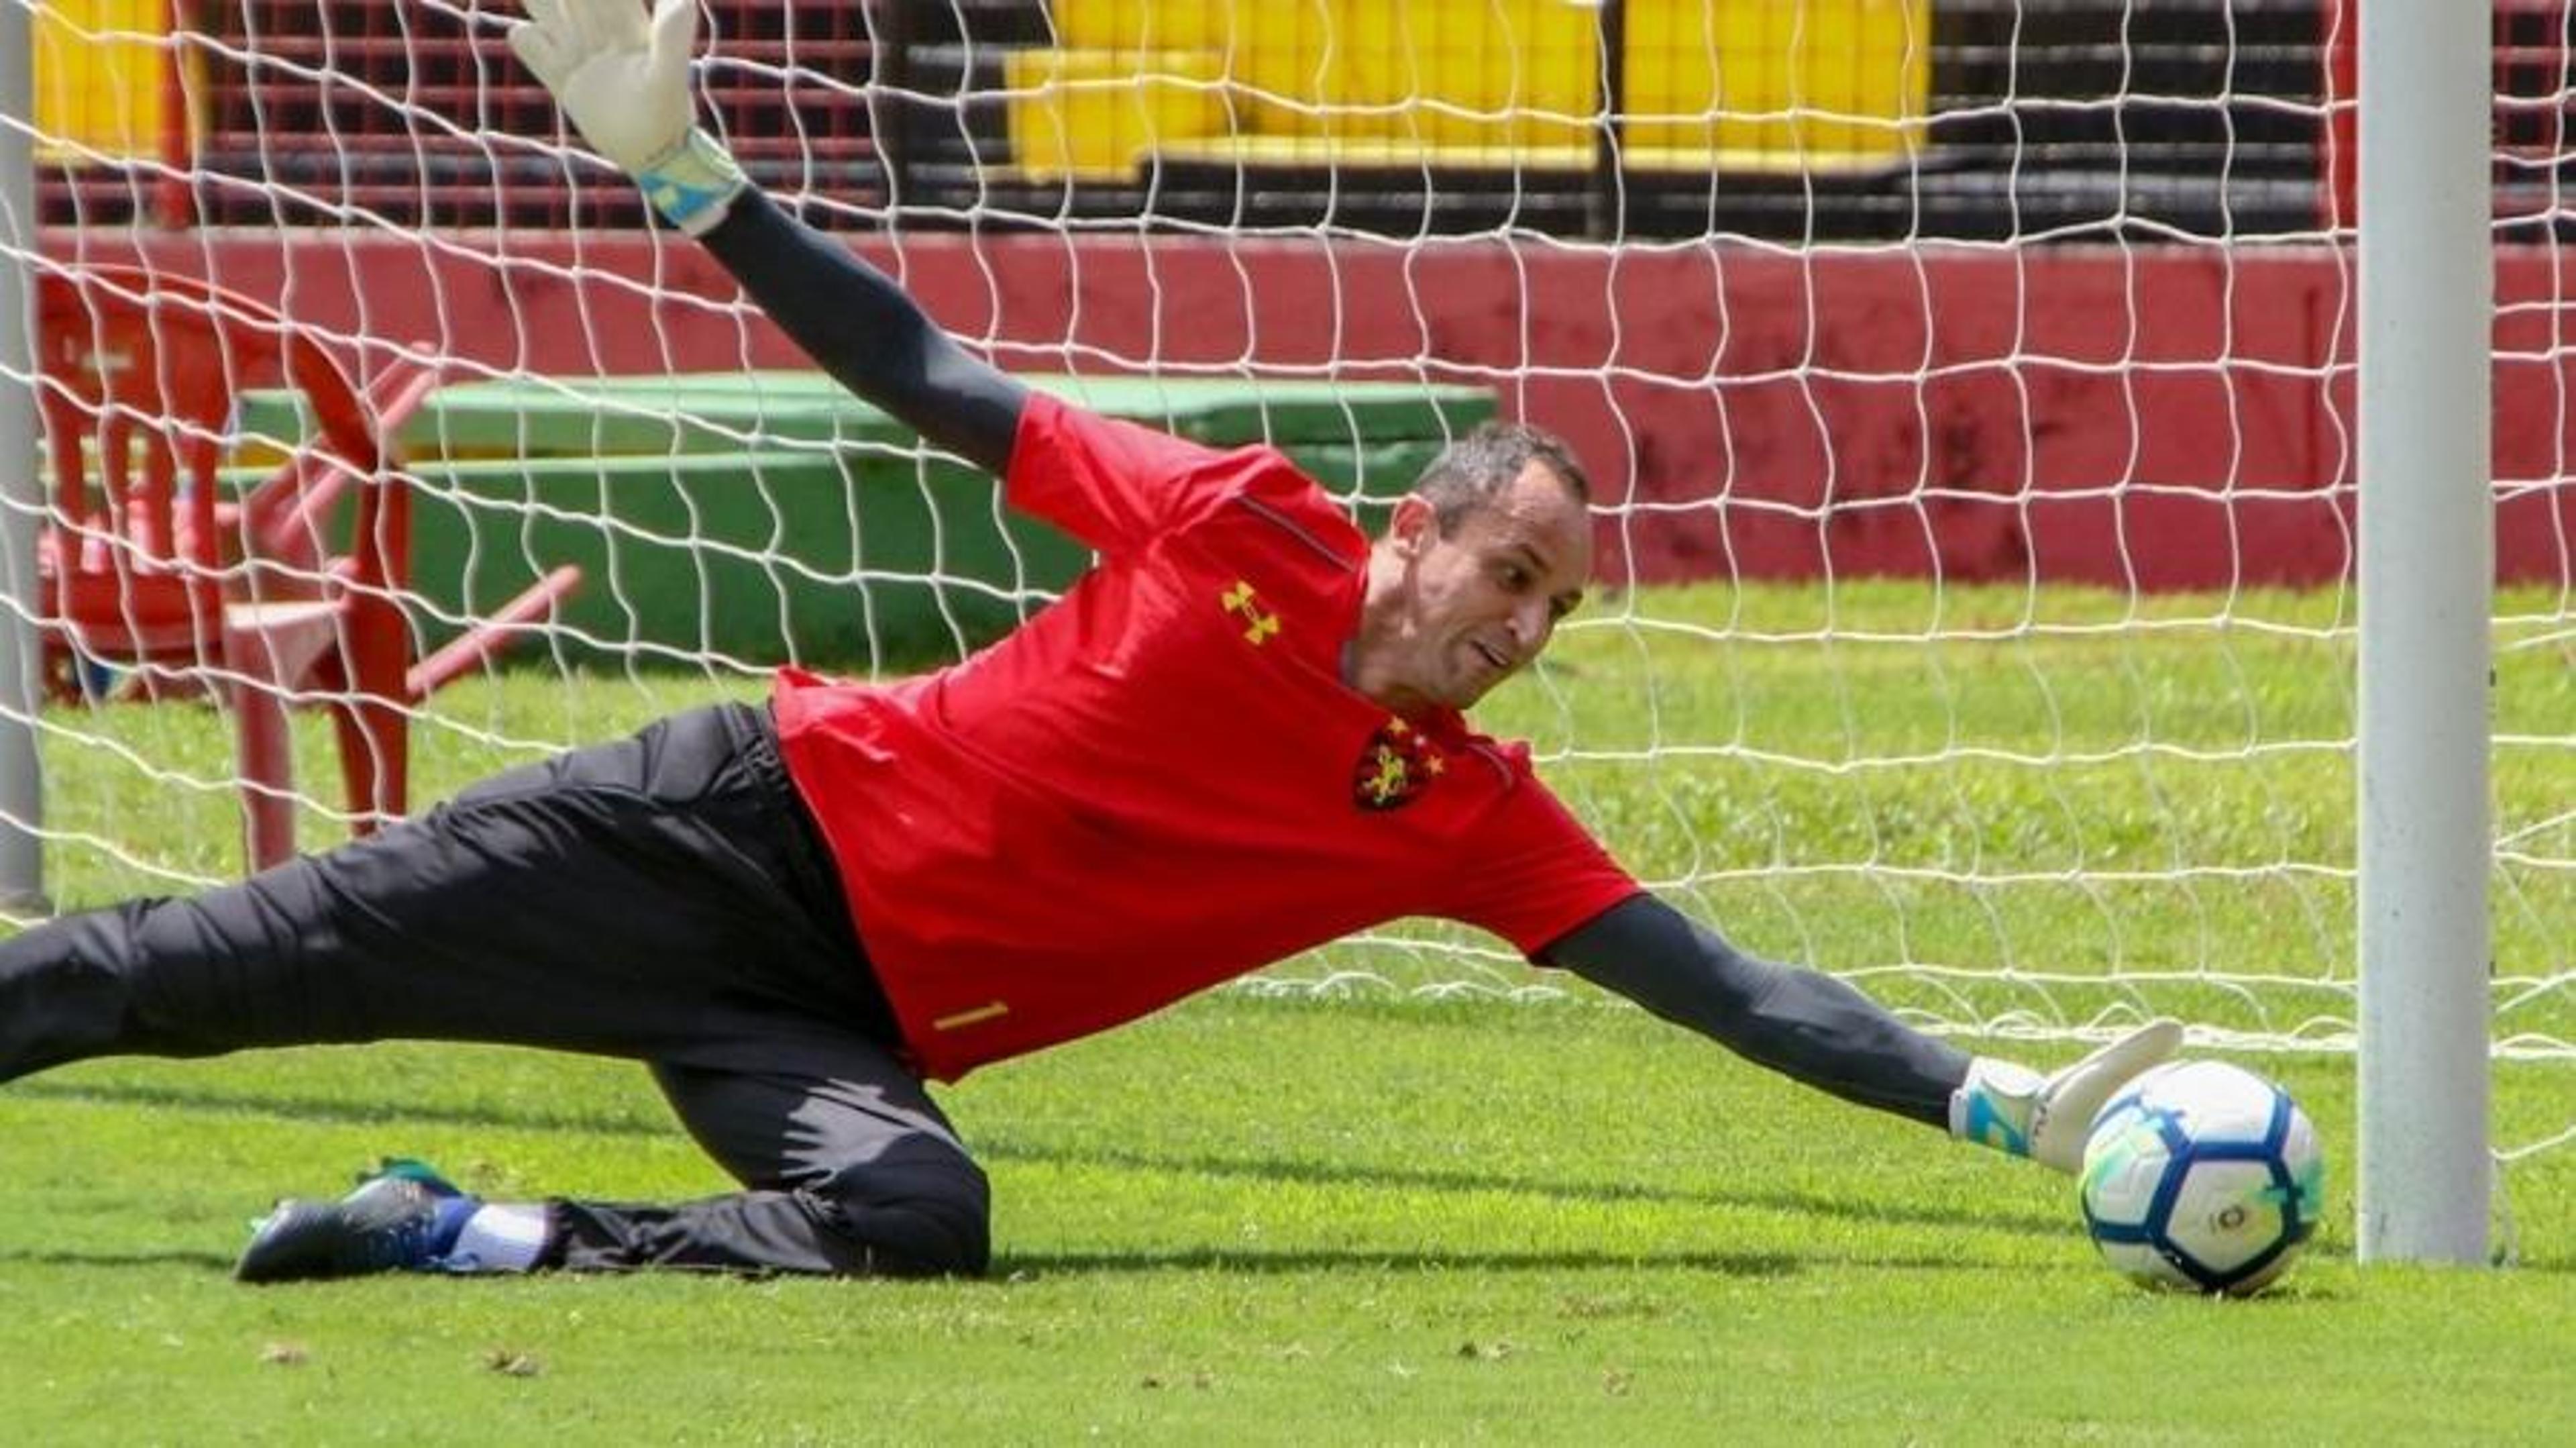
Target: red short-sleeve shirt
column 1160, row 782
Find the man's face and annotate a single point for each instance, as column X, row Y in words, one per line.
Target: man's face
column 1482, row 601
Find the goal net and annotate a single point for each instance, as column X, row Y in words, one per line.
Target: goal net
column 1967, row 386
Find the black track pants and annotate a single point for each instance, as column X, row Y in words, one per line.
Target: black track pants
column 663, row 898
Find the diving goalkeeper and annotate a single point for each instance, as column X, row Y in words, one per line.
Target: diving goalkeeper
column 1238, row 736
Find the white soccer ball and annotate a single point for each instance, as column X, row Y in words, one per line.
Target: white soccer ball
column 2202, row 1176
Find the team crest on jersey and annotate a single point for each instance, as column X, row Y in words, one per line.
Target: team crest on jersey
column 1397, row 765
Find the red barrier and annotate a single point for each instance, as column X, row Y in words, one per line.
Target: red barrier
column 2174, row 418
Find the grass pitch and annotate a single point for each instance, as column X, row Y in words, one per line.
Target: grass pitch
column 1243, row 1221
column 1388, row 1218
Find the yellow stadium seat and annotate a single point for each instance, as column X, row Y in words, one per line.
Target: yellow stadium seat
column 1276, row 55
column 1482, row 73
column 100, row 69
column 1794, row 81
column 1093, row 114
column 1777, row 85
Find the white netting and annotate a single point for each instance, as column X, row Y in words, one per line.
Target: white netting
column 1967, row 384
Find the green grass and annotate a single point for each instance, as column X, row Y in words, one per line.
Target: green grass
column 1393, row 1218
column 1246, row 1221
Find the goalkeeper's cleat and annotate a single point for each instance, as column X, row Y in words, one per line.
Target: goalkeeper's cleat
column 404, row 1217
column 2019, row 1112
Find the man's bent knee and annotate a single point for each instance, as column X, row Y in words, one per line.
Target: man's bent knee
column 912, row 1219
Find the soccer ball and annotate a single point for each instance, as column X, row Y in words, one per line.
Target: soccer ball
column 2202, row 1176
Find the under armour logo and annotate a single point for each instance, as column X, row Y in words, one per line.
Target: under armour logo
column 1259, row 624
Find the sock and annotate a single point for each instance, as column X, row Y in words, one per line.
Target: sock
column 496, row 1237
column 449, row 1214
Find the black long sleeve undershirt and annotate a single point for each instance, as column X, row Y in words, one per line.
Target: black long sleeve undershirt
column 1810, row 1027
column 860, row 327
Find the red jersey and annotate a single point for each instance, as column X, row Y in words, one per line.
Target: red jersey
column 1160, row 781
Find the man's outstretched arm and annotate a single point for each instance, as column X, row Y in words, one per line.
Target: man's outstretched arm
column 623, row 80
column 1818, row 1030
column 854, row 321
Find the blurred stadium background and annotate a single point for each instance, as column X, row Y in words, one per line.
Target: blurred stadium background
column 1879, row 286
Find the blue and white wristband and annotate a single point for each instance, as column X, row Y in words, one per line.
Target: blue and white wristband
column 693, row 184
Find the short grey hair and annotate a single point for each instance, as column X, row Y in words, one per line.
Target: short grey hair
column 1472, row 469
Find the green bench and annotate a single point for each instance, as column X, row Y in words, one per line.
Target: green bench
column 770, row 517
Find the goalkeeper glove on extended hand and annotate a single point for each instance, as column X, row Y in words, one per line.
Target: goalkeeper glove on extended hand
column 2016, row 1110
column 623, row 81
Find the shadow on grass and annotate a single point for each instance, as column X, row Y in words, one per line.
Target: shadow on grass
column 1019, row 1268
column 166, row 1257
column 1023, row 1266
column 1337, row 1174
column 323, row 1111
column 1248, row 1168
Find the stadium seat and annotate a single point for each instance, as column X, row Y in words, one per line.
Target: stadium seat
column 155, row 586
column 1741, row 86
column 1097, row 113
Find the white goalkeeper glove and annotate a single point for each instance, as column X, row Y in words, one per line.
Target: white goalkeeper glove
column 623, row 81
column 2017, row 1111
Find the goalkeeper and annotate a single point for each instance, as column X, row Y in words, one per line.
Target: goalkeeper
column 1237, row 737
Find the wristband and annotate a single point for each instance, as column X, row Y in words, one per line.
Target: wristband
column 693, row 184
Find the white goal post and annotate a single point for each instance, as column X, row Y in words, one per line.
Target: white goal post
column 2427, row 575
column 22, row 859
